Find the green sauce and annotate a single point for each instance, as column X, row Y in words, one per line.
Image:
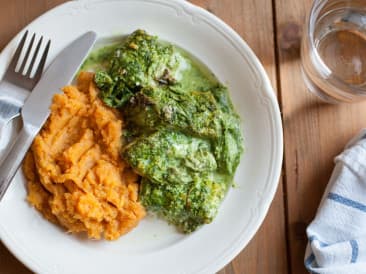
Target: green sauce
column 182, row 134
column 99, row 59
column 196, row 76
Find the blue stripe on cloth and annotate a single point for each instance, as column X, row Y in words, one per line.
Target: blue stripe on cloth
column 309, row 260
column 308, row 263
column 354, row 246
column 314, row 238
column 345, row 201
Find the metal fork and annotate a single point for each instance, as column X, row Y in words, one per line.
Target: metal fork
column 17, row 84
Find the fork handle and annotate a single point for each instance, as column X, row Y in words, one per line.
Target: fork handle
column 14, row 158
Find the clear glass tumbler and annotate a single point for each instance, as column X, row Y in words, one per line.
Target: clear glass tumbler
column 333, row 50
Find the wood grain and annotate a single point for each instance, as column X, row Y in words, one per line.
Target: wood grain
column 253, row 20
column 314, row 132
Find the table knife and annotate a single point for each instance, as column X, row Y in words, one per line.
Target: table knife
column 36, row 108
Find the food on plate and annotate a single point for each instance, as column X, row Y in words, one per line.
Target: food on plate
column 181, row 180
column 76, row 177
column 151, row 129
column 182, row 134
column 139, row 61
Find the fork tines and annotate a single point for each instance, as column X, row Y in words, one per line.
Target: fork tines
column 16, row 58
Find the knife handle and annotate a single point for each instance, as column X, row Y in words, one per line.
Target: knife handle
column 14, row 158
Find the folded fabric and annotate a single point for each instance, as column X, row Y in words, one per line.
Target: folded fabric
column 337, row 235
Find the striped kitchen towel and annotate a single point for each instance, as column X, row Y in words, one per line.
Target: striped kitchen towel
column 337, row 235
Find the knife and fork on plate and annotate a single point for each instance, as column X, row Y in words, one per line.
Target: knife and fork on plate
column 30, row 95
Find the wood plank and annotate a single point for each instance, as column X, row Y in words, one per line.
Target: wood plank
column 253, row 20
column 14, row 15
column 314, row 132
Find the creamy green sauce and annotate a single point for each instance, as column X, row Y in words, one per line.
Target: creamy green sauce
column 99, row 58
column 193, row 75
column 182, row 134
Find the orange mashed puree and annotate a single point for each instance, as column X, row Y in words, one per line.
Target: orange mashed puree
column 75, row 175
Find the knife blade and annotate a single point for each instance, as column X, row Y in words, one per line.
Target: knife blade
column 36, row 108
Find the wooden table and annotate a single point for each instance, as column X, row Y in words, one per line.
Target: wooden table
column 314, row 132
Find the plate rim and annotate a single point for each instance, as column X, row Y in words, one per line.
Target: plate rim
column 270, row 99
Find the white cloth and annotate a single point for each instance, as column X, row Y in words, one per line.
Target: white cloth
column 337, row 235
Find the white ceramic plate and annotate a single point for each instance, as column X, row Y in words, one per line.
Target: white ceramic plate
column 155, row 247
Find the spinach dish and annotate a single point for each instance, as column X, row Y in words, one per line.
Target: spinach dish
column 181, row 132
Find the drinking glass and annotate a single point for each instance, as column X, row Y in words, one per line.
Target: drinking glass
column 333, row 50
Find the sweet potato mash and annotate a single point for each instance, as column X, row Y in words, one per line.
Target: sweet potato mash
column 75, row 175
